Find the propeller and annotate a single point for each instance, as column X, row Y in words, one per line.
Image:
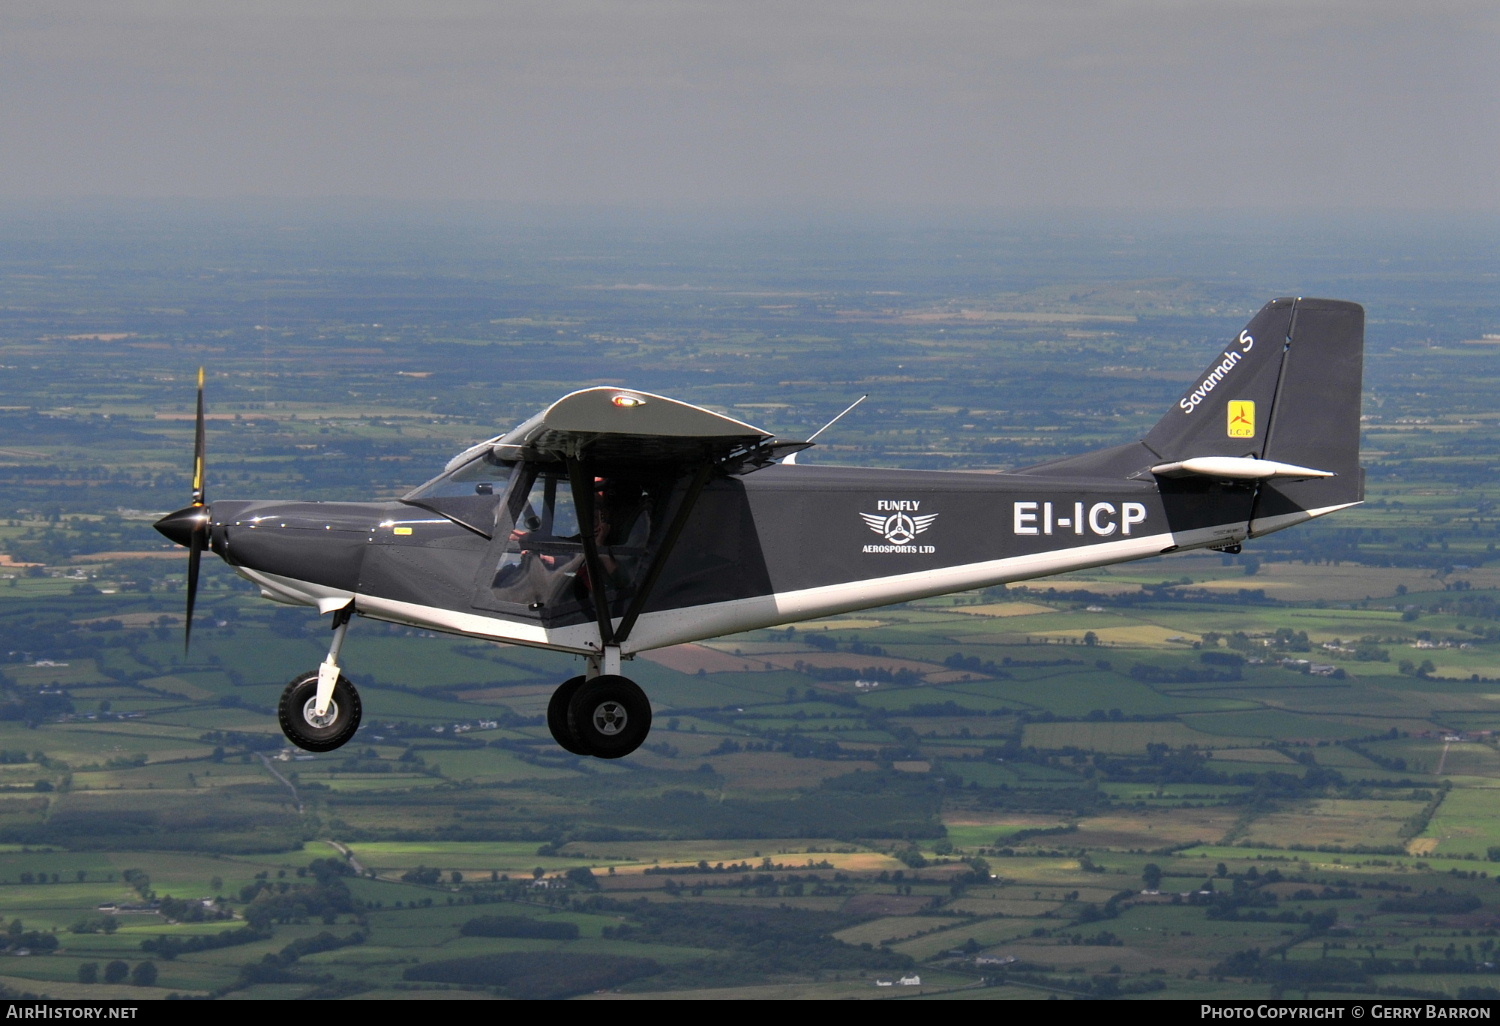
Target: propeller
column 189, row 526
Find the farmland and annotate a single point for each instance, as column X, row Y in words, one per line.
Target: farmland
column 1239, row 775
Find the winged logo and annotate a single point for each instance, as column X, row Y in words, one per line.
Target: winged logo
column 898, row 528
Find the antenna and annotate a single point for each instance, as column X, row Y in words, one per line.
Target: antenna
column 835, row 420
column 791, row 460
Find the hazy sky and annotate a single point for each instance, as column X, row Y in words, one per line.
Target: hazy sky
column 1009, row 103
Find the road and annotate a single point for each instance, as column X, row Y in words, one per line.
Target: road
column 289, row 785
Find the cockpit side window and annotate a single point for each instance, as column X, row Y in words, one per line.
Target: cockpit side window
column 546, row 509
column 542, row 566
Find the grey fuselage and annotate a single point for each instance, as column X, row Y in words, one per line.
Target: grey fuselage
column 782, row 544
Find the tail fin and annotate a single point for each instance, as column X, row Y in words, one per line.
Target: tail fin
column 1277, row 412
column 1227, row 409
column 1287, row 389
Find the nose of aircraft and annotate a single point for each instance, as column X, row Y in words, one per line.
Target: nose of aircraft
column 180, row 526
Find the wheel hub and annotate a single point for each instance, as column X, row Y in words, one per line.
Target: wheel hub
column 610, row 718
column 310, row 713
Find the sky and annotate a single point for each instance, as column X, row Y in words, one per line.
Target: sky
column 1131, row 105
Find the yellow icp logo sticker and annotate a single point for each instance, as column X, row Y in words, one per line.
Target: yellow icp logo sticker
column 1241, row 418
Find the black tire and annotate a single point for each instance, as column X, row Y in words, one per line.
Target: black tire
column 610, row 716
column 296, row 707
column 557, row 715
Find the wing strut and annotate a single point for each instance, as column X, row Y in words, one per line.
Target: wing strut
column 679, row 521
column 581, row 478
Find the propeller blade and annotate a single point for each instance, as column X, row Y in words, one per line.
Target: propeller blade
column 189, row 526
column 200, row 449
column 195, row 557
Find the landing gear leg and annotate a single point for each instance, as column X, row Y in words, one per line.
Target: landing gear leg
column 606, row 662
column 320, row 711
column 328, row 672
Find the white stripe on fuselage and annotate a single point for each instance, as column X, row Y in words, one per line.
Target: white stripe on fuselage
column 695, row 623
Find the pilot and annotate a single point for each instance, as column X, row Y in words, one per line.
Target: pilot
column 621, row 527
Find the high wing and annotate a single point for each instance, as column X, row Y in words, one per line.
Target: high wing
column 619, row 427
column 609, row 431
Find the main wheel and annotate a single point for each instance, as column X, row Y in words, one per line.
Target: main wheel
column 318, row 733
column 609, row 716
column 557, row 715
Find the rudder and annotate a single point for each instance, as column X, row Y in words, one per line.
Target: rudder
column 1315, row 421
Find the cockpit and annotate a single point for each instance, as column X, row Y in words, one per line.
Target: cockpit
column 538, row 566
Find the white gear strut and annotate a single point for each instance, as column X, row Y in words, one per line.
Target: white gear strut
column 328, row 669
column 607, row 661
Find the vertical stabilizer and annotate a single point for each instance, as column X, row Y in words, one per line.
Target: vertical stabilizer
column 1287, row 389
column 1227, row 409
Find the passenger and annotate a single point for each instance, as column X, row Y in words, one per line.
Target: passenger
column 622, row 526
column 621, row 529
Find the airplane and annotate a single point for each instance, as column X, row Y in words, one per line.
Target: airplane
column 617, row 521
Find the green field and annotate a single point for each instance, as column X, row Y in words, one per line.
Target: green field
column 1299, row 738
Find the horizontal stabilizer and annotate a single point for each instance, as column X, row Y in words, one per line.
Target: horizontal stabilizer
column 1236, row 468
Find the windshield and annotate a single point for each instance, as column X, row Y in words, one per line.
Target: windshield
column 484, row 475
